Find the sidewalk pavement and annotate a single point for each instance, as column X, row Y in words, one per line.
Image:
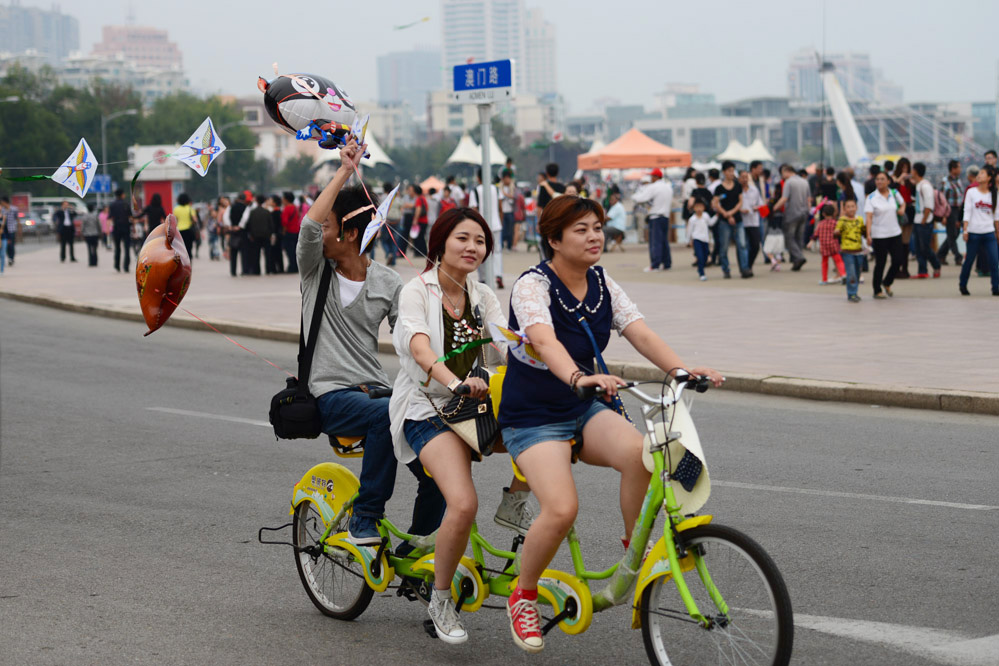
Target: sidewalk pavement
column 776, row 333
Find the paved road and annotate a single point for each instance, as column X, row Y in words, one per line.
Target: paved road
column 128, row 535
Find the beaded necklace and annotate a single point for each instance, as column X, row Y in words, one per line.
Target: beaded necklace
column 573, row 310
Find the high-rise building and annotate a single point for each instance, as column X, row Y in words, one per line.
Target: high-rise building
column 859, row 80
column 540, row 69
column 146, row 47
column 482, row 30
column 407, row 77
column 48, row 32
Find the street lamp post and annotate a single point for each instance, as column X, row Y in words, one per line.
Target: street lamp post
column 104, row 144
column 221, row 159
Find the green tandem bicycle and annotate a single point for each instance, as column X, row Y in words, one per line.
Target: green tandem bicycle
column 703, row 593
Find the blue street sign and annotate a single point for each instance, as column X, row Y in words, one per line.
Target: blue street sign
column 101, row 184
column 483, row 82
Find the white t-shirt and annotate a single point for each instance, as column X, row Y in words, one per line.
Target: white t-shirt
column 495, row 220
column 978, row 212
column 924, row 200
column 349, row 289
column 884, row 213
column 697, row 227
column 751, row 201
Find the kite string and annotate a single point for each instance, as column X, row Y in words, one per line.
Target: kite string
column 275, row 365
column 100, row 164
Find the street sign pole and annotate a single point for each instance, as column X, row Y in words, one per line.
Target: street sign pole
column 485, row 117
column 482, row 84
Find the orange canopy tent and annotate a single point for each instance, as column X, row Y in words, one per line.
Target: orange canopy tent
column 432, row 182
column 633, row 150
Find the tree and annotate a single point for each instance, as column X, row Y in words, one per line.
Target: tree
column 296, row 174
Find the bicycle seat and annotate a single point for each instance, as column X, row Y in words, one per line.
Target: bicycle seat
column 347, row 447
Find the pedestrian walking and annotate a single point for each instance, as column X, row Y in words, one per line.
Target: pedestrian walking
column 186, row 222
column 698, row 230
column 8, row 230
column 752, row 201
column 104, row 217
column 981, row 227
column 291, row 222
column 727, row 203
column 659, row 195
column 258, row 234
column 902, row 182
column 922, row 226
column 773, row 244
column 421, row 220
column 794, row 202
column 391, row 236
column 275, row 251
column 615, row 224
column 850, row 230
column 508, row 202
column 883, row 208
column 825, row 235
column 953, row 191
column 238, row 217
column 64, row 221
column 153, row 214
column 90, row 228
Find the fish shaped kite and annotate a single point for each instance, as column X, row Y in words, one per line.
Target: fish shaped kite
column 519, row 346
column 78, row 171
column 201, row 149
column 377, row 220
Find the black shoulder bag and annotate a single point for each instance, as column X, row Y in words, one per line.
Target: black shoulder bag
column 294, row 411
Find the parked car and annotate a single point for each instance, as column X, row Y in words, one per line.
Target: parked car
column 37, row 221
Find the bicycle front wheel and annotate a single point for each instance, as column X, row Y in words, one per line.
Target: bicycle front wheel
column 759, row 625
column 334, row 581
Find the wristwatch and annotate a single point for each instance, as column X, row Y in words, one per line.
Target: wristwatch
column 453, row 384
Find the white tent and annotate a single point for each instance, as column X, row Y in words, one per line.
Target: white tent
column 757, row 151
column 496, row 154
column 466, row 152
column 376, row 155
column 735, row 152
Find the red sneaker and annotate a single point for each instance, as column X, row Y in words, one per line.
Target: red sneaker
column 936, row 274
column 919, row 276
column 525, row 622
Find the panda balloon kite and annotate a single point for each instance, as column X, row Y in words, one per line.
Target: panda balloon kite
column 312, row 107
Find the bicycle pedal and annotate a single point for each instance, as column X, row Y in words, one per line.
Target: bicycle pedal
column 428, row 626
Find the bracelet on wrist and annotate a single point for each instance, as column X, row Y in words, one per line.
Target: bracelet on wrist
column 574, row 379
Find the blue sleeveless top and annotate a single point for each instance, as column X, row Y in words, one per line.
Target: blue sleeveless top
column 534, row 397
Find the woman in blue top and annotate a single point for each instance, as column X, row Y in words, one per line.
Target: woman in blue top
column 539, row 411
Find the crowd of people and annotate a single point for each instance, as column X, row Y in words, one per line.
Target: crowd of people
column 889, row 219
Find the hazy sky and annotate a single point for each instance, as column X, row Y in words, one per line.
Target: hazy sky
column 627, row 49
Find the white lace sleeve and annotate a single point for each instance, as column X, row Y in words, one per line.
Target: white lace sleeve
column 530, row 301
column 623, row 309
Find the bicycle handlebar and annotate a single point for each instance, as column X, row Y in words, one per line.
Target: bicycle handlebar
column 699, row 384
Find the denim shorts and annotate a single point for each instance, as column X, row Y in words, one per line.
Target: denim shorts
column 518, row 440
column 419, row 433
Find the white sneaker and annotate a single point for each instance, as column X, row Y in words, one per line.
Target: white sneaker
column 703, row 278
column 446, row 621
column 649, row 269
column 513, row 512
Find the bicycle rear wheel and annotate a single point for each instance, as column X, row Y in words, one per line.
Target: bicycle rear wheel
column 759, row 627
column 334, row 582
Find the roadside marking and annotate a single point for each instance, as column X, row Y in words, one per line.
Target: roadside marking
column 205, row 415
column 724, row 484
column 836, row 493
column 945, row 647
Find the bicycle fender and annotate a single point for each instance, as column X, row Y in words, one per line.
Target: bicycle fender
column 657, row 566
column 328, row 485
column 467, row 568
column 365, row 555
column 557, row 587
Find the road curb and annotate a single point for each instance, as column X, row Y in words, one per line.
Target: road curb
column 888, row 395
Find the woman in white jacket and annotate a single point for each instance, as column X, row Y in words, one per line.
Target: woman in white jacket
column 441, row 311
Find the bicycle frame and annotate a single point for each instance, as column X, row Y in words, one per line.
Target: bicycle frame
column 659, row 496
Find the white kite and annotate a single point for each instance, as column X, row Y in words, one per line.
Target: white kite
column 201, row 149
column 377, row 220
column 519, row 346
column 78, row 171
